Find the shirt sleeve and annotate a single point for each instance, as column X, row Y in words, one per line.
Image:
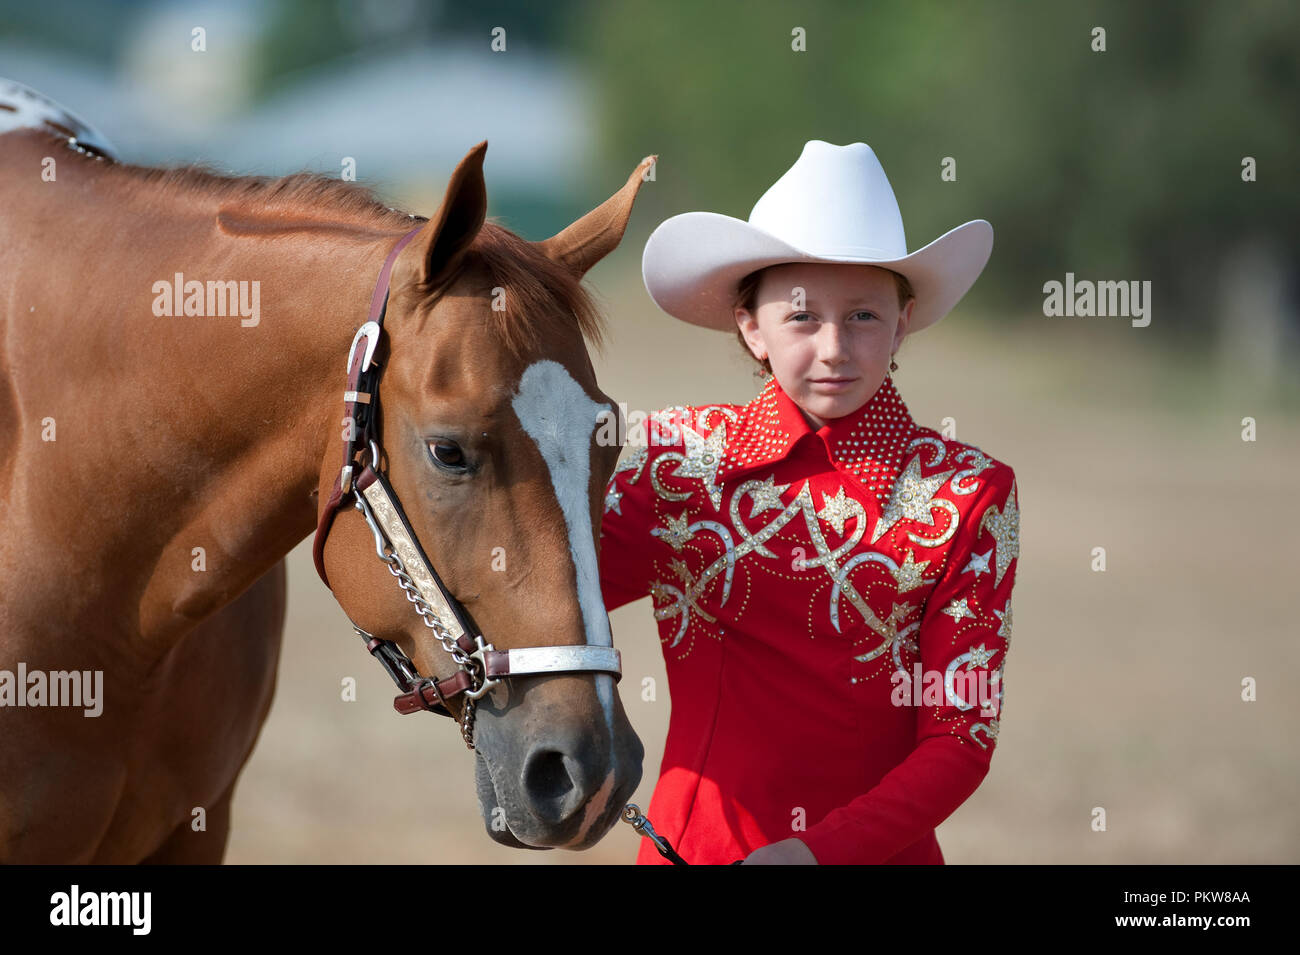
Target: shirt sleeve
column 964, row 634
column 627, row 544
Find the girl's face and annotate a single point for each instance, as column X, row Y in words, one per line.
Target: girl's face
column 829, row 331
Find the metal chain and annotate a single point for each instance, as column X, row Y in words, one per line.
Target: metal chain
column 430, row 618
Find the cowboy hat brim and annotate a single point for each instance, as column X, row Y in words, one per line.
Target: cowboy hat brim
column 693, row 264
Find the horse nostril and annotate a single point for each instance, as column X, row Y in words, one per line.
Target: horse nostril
column 546, row 778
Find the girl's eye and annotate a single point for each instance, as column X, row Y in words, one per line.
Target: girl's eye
column 448, row 454
column 867, row 314
column 798, row 316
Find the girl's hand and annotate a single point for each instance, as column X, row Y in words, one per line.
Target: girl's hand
column 785, row 852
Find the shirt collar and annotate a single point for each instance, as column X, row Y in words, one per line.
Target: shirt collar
column 868, row 443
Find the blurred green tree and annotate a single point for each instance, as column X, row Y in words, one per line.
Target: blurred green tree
column 1122, row 164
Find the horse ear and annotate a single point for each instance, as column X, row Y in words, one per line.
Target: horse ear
column 446, row 237
column 595, row 235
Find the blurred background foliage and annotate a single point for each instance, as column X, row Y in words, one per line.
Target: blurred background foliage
column 1122, row 164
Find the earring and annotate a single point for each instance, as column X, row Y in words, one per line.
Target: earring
column 893, row 365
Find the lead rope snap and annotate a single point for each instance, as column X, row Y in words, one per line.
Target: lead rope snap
column 633, row 816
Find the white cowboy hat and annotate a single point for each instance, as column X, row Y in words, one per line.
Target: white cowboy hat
column 833, row 205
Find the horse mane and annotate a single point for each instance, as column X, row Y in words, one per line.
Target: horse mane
column 544, row 297
column 299, row 192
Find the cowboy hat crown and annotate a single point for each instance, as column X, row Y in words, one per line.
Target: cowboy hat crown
column 835, row 205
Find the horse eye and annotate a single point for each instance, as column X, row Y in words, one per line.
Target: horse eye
column 448, row 454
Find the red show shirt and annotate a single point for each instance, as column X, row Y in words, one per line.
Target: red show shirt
column 793, row 573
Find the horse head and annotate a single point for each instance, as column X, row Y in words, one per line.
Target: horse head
column 490, row 435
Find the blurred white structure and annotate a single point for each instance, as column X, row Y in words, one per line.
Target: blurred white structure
column 405, row 114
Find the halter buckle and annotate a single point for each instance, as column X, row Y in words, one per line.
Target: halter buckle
column 418, row 690
column 370, row 331
column 481, row 656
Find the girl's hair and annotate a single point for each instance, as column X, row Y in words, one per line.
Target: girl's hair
column 747, row 298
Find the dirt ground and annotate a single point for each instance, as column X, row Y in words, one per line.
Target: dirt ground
column 1128, row 699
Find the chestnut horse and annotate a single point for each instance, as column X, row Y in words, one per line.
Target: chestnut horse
column 161, row 466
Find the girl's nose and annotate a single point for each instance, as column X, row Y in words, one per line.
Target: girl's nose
column 831, row 345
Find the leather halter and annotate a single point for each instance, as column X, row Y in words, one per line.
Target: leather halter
column 480, row 666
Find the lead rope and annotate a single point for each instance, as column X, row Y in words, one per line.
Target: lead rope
column 633, row 816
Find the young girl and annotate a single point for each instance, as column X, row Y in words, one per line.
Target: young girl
column 832, row 581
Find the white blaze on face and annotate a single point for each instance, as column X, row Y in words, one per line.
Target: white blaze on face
column 557, row 414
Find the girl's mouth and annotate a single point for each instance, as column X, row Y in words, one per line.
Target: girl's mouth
column 833, row 384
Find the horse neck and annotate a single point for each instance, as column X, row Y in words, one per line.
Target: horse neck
column 208, row 431
column 278, row 407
